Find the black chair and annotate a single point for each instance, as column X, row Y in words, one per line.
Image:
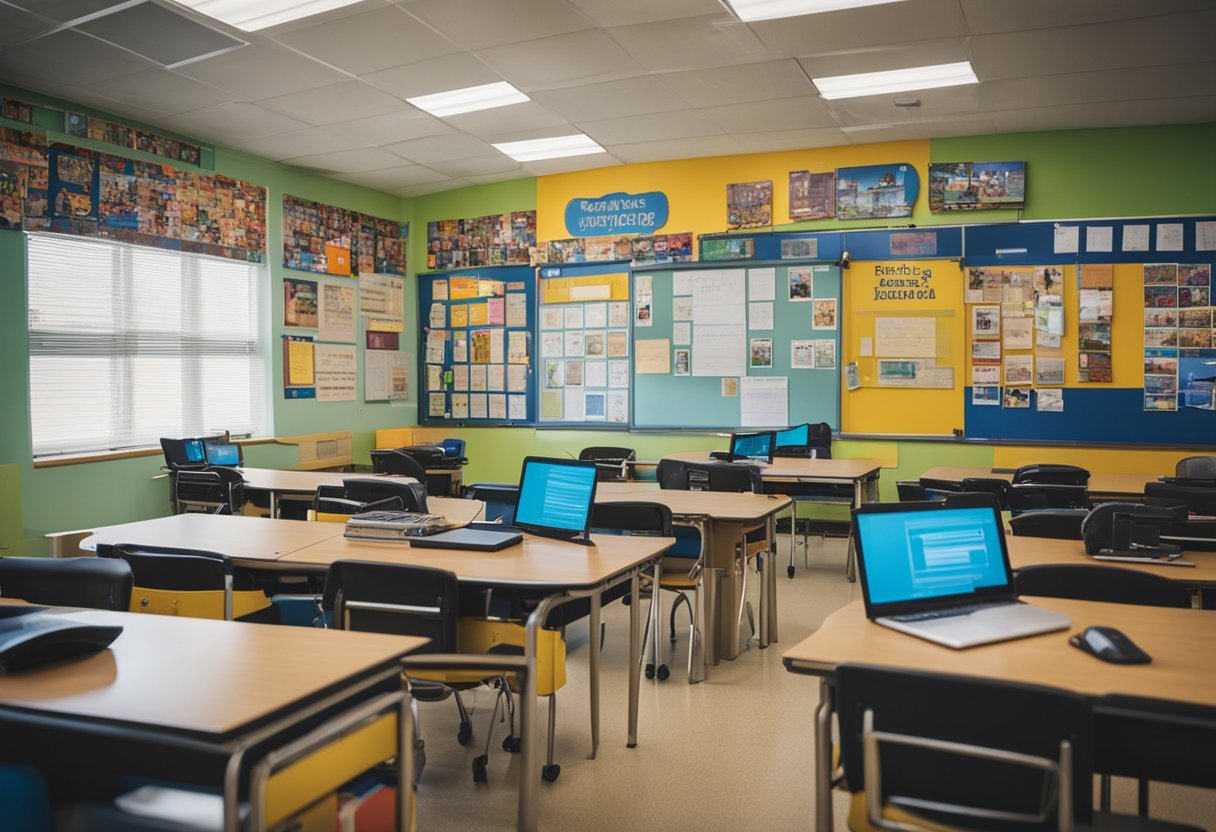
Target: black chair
column 1057, row 523
column 715, row 476
column 1028, row 496
column 396, row 461
column 1197, row 499
column 97, row 583
column 611, row 464
column 910, row 491
column 373, row 490
column 818, row 445
column 214, row 490
column 437, row 468
column 1196, row 468
column 937, row 489
column 924, row 749
column 1097, row 582
column 989, row 485
column 1051, row 474
column 500, row 498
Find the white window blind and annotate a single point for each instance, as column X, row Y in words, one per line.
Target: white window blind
column 128, row 344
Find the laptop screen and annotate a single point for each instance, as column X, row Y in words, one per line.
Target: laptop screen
column 754, row 445
column 926, row 554
column 223, row 453
column 798, row 436
column 555, row 494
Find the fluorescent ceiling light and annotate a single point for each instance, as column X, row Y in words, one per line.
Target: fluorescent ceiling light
column 554, row 148
column 252, row 15
column 469, row 99
column 896, row 80
column 748, row 10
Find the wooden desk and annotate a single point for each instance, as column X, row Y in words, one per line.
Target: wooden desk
column 1181, row 643
column 1100, row 485
column 277, row 483
column 1031, row 551
column 724, row 519
column 862, row 474
column 193, row 697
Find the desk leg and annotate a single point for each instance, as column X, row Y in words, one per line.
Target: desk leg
column 635, row 671
column 274, row 505
column 405, row 763
column 770, row 581
column 232, row 803
column 529, row 764
column 823, row 759
column 656, row 619
column 596, row 646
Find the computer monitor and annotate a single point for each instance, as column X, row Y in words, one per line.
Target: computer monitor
column 798, row 436
column 222, row 453
column 555, row 497
column 758, row 446
column 183, row 452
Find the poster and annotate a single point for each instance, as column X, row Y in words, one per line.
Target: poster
column 876, row 191
column 493, row 240
column 972, row 186
column 299, row 302
column 749, row 204
column 336, row 321
column 327, row 239
column 336, row 375
column 812, row 197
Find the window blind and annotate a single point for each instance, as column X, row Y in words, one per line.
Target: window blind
column 129, row 343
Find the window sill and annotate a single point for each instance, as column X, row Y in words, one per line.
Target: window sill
column 132, row 453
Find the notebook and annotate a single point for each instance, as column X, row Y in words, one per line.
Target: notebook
column 942, row 573
column 395, row 525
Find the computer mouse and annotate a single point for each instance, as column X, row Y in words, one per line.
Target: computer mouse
column 1110, row 645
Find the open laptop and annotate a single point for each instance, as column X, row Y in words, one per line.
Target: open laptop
column 752, row 448
column 222, row 453
column 941, row 572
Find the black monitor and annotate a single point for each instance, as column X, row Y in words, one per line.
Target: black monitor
column 180, row 453
column 757, row 446
column 798, row 436
column 222, row 453
column 555, row 497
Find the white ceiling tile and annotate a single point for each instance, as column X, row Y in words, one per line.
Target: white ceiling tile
column 162, row 91
column 440, row 148
column 232, row 123
column 887, row 57
column 395, row 177
column 1124, row 43
column 392, row 127
column 262, row 70
column 477, row 24
column 63, row 10
column 1110, row 114
column 992, row 16
column 676, row 149
column 385, row 37
column 477, row 166
column 790, row 139
column 506, row 176
column 17, row 25
column 65, row 58
column 921, row 130
column 298, row 143
column 346, row 161
column 862, row 28
column 1180, row 81
column 82, row 96
column 624, row 12
column 579, row 58
column 739, row 84
column 654, row 127
column 448, row 72
column 331, row 16
column 612, row 99
column 881, row 109
column 546, row 167
column 691, row 43
column 781, row 114
column 345, row 101
column 160, row 33
column 509, row 119
column 423, row 190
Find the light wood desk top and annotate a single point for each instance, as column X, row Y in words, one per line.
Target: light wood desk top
column 1129, row 485
column 199, row 676
column 1031, row 551
column 785, row 466
column 718, row 505
column 537, row 560
column 1181, row 642
column 300, row 482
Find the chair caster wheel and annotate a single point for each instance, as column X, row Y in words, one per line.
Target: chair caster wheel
column 511, row 744
column 479, row 769
column 663, row 673
column 550, row 772
column 626, row 599
column 465, row 733
column 789, row 570
column 649, row 671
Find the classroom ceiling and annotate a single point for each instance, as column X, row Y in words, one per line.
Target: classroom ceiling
column 649, row 80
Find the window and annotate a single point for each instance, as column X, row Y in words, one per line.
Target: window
column 128, row 344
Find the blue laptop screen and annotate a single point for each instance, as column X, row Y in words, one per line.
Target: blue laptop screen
column 794, row 437
column 754, row 445
column 928, row 554
column 555, row 496
column 223, row 453
column 194, row 450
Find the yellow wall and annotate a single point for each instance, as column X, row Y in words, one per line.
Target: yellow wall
column 696, row 188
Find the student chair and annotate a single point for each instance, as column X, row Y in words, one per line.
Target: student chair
column 1057, row 523
column 1196, row 468
column 610, row 463
column 192, row 583
column 215, row 490
column 1050, row 474
column 500, row 499
column 1028, row 496
column 923, row 751
column 423, row 601
column 938, row 489
column 411, row 495
column 395, row 461
column 1199, row 500
column 1099, row 582
column 91, row 582
column 995, row 486
column 910, row 491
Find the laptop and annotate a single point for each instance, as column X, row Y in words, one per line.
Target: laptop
column 476, row 539
column 222, row 453
column 750, row 448
column 555, row 497
column 941, row 572
column 798, row 437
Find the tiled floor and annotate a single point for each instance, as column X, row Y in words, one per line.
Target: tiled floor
column 733, row 753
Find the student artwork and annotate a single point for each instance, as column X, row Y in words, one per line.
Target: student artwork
column 330, row 240
column 15, row 110
column 802, row 355
column 299, row 302
column 1019, row 370
column 986, row 396
column 824, row 315
column 812, row 196
column 1017, row 398
column 1017, row 333
column 761, row 353
column 495, row 240
column 1049, row 401
column 1094, row 367
column 727, row 248
column 986, row 352
column 1178, row 337
column 642, row 249
column 1048, row 370
column 974, row 186
column 682, row 362
column 801, row 285
column 749, row 204
column 876, row 191
column 986, row 323
column 825, row 355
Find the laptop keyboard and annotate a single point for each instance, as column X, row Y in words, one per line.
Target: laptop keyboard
column 946, row 612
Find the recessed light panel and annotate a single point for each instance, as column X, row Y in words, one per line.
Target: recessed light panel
column 469, row 99
column 252, row 15
column 896, row 80
column 749, row 10
column 554, row 148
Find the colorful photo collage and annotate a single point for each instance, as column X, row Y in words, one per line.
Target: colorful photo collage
column 749, row 204
column 584, row 349
column 1017, row 321
column 976, row 186
column 643, row 249
column 326, row 239
column 495, row 240
column 72, row 190
column 89, row 127
column 1179, row 337
column 477, row 351
column 15, row 110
